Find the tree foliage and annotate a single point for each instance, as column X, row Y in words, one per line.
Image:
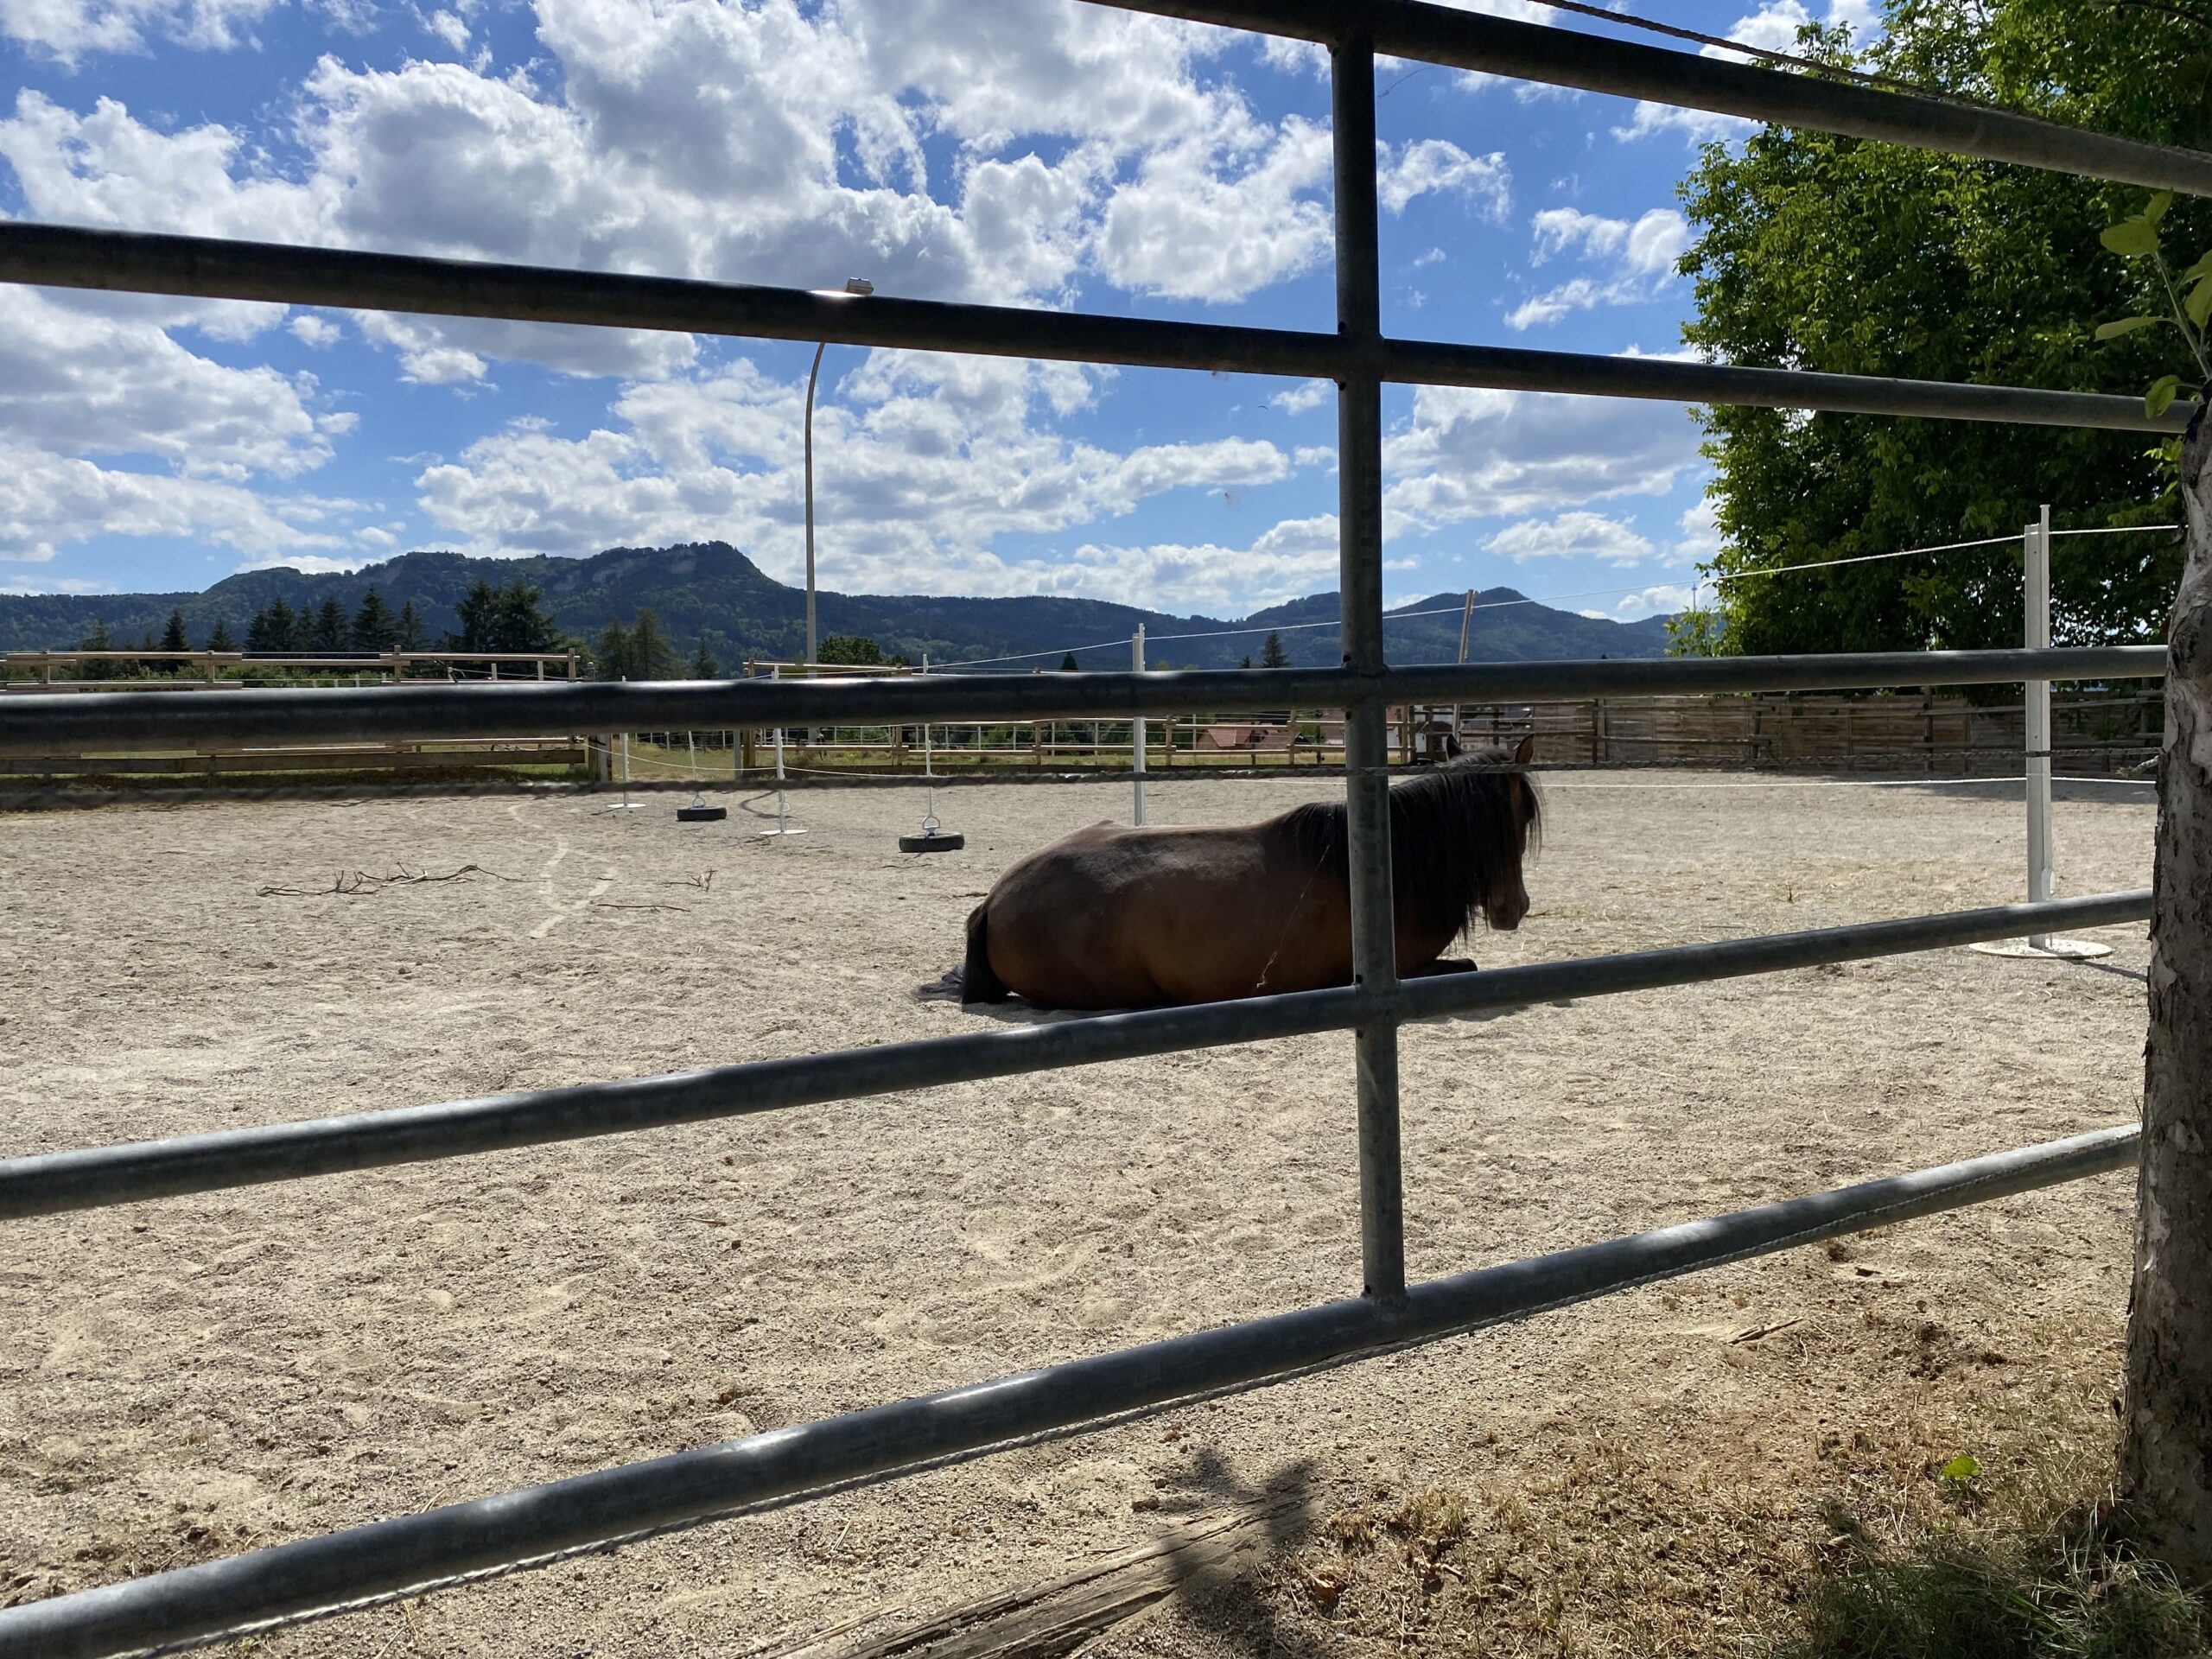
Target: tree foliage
column 1823, row 252
column 1272, row 654
column 642, row 651
column 854, row 650
column 509, row 618
column 374, row 628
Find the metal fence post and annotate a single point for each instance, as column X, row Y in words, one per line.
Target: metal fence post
column 1367, row 779
column 2037, row 572
column 1136, row 650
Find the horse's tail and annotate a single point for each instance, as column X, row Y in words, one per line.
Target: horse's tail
column 977, row 982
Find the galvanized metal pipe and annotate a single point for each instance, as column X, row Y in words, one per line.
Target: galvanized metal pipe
column 56, row 1183
column 1367, row 753
column 63, row 256
column 1596, row 63
column 103, row 722
column 424, row 1550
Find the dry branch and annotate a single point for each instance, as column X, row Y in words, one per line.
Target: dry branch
column 361, row 884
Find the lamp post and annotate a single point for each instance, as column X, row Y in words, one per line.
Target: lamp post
column 859, row 288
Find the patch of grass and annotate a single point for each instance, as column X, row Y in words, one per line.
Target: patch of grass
column 2069, row 1588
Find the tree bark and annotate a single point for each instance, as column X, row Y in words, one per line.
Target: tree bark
column 2166, row 1461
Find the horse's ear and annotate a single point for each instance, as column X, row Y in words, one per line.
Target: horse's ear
column 1526, row 752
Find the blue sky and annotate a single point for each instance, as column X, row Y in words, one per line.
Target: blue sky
column 1026, row 152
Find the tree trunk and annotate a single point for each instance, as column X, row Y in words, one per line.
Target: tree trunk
column 2166, row 1419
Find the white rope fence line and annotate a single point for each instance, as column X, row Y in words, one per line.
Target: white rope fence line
column 1547, row 599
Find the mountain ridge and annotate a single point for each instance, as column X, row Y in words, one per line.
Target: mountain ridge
column 712, row 593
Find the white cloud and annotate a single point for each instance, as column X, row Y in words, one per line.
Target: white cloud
column 1700, row 533
column 1639, row 259
column 1294, row 557
column 921, row 463
column 49, row 501
column 450, row 28
column 78, row 382
column 1306, row 395
column 771, row 142
column 1773, row 28
column 1469, row 452
column 1664, row 600
column 71, row 30
column 1572, row 536
column 1188, row 230
column 1431, row 165
column 312, row 330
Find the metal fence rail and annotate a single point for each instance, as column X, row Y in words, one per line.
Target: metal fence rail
column 447, row 1545
column 206, row 268
column 1596, row 63
column 55, row 1183
column 115, row 721
column 319, row 1574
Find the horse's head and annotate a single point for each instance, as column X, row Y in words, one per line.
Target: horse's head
column 1505, row 896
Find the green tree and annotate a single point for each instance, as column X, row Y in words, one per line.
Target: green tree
column 850, row 649
column 1823, row 252
column 704, row 665
column 275, row 627
column 333, row 631
column 172, row 635
column 1067, row 663
column 610, row 652
column 510, row 619
column 373, row 627
column 412, row 635
column 219, row 640
column 97, row 637
column 1271, row 655
column 652, row 654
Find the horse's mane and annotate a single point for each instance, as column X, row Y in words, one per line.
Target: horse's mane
column 1451, row 830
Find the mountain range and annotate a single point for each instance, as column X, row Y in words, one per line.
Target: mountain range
column 710, row 592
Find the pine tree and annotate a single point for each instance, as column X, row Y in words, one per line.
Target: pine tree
column 374, row 629
column 1067, row 663
column 332, row 630
column 704, row 665
column 220, row 638
column 412, row 634
column 1271, row 655
column 611, row 653
column 173, row 636
column 651, row 656
column 271, row 628
column 97, row 639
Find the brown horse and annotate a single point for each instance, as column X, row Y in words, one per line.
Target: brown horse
column 1115, row 918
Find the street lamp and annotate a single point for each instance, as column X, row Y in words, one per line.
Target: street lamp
column 856, row 288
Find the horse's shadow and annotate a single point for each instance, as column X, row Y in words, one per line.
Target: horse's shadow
column 1016, row 1011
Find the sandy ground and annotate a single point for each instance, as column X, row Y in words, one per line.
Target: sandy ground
column 185, row 1378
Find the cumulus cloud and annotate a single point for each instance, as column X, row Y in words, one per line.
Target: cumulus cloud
column 1666, row 598
column 1431, row 165
column 312, row 330
column 70, row 30
column 922, row 462
column 1581, row 535
column 1635, row 259
column 1470, row 452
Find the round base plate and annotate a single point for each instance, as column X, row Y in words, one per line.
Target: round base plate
column 769, row 834
column 701, row 814
column 937, row 843
column 2049, row 950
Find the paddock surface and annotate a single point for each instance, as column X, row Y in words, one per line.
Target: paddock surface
column 190, row 1377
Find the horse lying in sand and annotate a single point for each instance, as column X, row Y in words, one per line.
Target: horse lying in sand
column 1113, row 916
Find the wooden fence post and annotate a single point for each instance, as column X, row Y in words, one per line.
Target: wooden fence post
column 2165, row 1459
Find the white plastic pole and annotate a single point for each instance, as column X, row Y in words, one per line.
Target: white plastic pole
column 1136, row 653
column 928, row 774
column 2038, row 718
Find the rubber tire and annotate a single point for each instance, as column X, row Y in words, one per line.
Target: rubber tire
column 701, row 814
column 937, row 843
